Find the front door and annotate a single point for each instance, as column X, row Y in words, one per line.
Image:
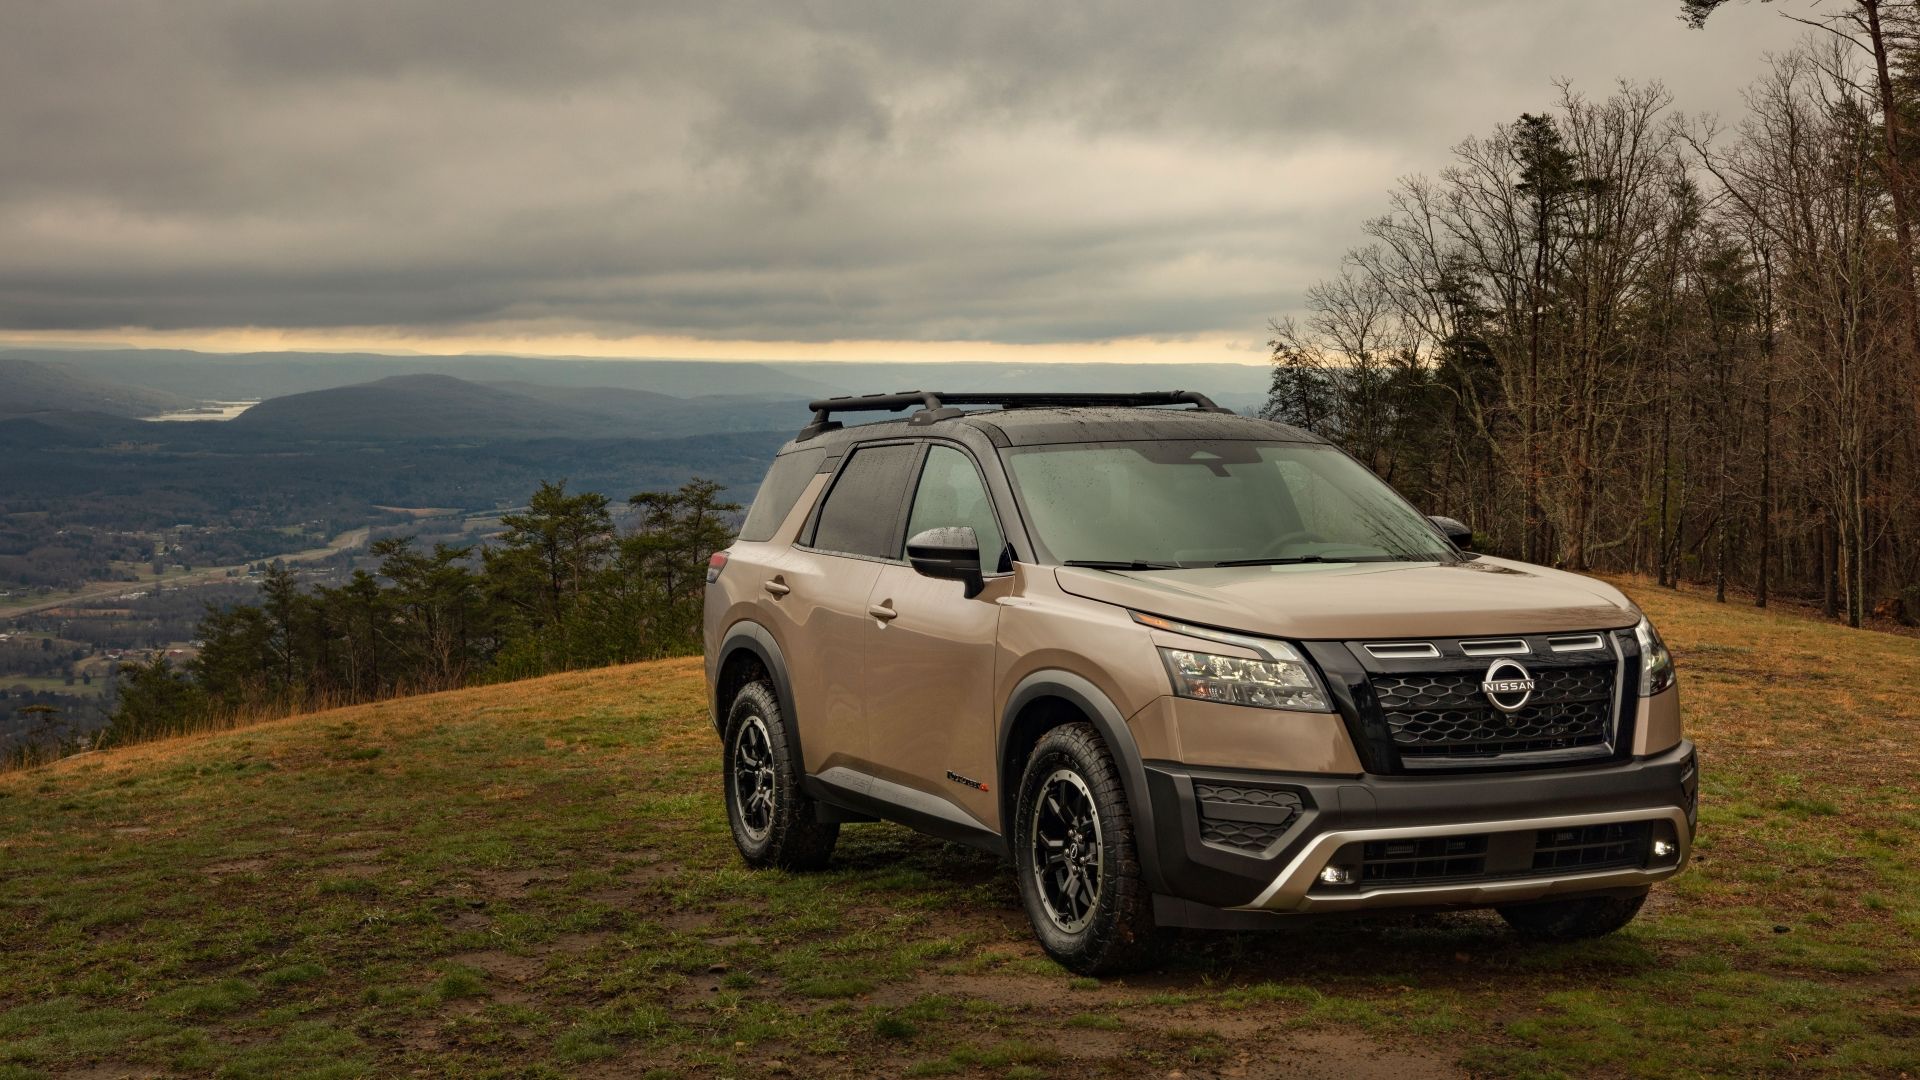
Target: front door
column 931, row 726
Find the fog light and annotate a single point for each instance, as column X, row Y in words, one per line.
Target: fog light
column 1336, row 875
column 1663, row 848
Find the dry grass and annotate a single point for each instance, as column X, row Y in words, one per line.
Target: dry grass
column 536, row 879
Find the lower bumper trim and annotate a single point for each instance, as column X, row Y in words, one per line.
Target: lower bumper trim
column 1292, row 890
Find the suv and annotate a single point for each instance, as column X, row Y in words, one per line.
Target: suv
column 1184, row 668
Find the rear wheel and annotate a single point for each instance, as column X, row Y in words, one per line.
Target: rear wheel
column 774, row 824
column 1076, row 859
column 1573, row 920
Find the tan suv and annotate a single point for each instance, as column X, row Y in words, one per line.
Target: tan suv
column 1184, row 668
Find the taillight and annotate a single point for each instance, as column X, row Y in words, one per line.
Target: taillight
column 716, row 562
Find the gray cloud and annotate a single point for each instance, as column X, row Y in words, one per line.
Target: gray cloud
column 779, row 170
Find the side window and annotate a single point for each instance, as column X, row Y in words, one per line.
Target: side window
column 861, row 514
column 779, row 491
column 950, row 493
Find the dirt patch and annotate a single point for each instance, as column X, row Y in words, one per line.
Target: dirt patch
column 236, row 866
column 571, row 944
column 1085, row 1043
column 1341, row 1055
column 514, row 884
column 1232, row 1025
column 470, row 920
column 504, row 966
column 351, row 870
column 688, row 922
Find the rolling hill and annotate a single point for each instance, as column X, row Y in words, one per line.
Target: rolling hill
column 29, row 387
column 415, row 407
column 537, row 879
column 411, row 407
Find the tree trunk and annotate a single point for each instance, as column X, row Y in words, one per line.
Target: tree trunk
column 1897, row 191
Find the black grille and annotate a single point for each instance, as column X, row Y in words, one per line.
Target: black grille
column 1440, row 860
column 1588, row 847
column 1445, row 715
column 1433, row 858
column 1244, row 835
column 1246, row 796
column 1243, row 817
column 1490, row 856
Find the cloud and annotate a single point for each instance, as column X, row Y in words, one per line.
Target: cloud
column 776, row 171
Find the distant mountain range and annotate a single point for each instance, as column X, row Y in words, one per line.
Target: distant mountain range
column 232, row 377
column 28, row 387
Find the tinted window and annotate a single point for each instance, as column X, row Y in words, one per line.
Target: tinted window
column 951, row 493
column 862, row 513
column 779, row 491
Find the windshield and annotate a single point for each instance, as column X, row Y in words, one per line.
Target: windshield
column 1189, row 502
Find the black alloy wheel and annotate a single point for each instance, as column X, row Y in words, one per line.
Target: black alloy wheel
column 774, row 823
column 753, row 788
column 1075, row 857
column 1066, row 857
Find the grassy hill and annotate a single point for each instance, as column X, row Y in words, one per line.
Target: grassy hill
column 536, row 879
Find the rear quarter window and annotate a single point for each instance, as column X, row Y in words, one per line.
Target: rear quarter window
column 779, row 491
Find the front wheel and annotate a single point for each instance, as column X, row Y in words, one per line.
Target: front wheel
column 1075, row 855
column 1573, row 920
column 774, row 824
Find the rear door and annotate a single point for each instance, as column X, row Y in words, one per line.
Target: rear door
column 930, row 719
column 852, row 536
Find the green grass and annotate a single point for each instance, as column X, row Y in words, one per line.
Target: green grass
column 55, row 684
column 536, row 879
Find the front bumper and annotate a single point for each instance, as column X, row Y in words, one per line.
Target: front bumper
column 1259, row 841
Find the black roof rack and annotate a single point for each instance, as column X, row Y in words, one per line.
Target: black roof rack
column 936, row 406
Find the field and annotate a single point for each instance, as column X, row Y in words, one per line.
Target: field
column 536, row 879
column 52, row 684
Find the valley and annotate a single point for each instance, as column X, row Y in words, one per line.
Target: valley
column 138, row 488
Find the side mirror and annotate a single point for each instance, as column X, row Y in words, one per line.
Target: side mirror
column 952, row 553
column 1457, row 534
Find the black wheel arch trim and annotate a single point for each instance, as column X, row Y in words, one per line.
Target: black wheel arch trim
column 751, row 637
column 1081, row 693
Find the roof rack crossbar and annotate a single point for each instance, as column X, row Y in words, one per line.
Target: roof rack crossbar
column 935, row 406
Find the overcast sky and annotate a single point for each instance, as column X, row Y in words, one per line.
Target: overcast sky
column 1147, row 180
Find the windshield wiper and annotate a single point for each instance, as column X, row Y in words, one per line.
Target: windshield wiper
column 1109, row 564
column 1285, row 560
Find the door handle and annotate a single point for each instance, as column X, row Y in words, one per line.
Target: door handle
column 881, row 612
column 777, row 587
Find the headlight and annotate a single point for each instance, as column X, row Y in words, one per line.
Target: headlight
column 1656, row 663
column 1284, row 682
column 1280, row 679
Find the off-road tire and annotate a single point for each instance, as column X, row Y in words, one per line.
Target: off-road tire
column 788, row 834
column 1573, row 920
column 1118, row 933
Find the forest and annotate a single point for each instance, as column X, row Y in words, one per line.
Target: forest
column 561, row 588
column 1615, row 337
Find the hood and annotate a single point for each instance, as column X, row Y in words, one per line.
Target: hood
column 1365, row 601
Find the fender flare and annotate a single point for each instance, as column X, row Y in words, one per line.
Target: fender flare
column 1113, row 729
column 749, row 636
